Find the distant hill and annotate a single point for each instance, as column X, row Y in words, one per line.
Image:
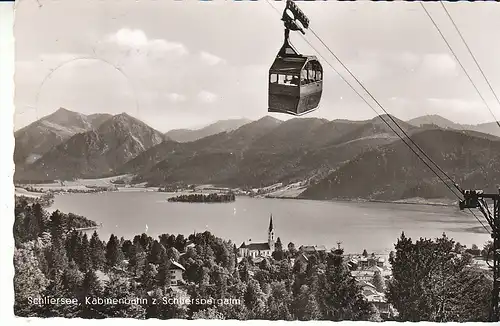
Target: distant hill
column 393, row 172
column 34, row 140
column 435, row 120
column 491, row 128
column 188, row 135
column 262, row 153
column 95, row 153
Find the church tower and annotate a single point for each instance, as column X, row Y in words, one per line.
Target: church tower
column 270, row 234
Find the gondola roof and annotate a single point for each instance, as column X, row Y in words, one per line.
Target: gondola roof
column 290, row 65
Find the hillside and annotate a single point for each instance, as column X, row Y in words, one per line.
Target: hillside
column 188, row 135
column 264, row 152
column 95, row 153
column 491, row 128
column 393, row 172
column 36, row 139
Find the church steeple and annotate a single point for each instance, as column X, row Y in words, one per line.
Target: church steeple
column 270, row 234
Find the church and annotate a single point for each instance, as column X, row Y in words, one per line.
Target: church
column 262, row 249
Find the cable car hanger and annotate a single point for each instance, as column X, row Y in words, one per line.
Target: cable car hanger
column 295, row 80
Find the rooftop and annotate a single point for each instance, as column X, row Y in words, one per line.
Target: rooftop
column 258, row 246
column 176, row 265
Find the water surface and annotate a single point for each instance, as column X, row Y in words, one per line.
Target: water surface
column 374, row 226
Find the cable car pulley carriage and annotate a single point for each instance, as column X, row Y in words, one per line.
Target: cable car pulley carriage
column 295, row 80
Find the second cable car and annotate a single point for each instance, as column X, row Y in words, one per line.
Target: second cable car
column 295, row 80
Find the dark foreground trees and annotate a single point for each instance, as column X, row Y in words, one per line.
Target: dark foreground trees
column 432, row 282
column 51, row 261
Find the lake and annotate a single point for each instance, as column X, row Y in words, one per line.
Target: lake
column 374, row 226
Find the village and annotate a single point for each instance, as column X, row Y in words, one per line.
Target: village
column 371, row 271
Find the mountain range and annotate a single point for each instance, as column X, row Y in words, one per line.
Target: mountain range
column 333, row 159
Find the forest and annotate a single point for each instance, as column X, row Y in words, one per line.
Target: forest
column 201, row 198
column 430, row 280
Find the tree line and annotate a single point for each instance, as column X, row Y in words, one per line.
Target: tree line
column 201, row 198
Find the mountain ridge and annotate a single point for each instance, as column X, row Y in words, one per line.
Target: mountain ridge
column 188, row 135
column 35, row 139
column 96, row 152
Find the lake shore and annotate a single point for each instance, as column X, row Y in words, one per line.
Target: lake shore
column 409, row 201
column 285, row 192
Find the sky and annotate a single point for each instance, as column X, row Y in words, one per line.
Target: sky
column 186, row 64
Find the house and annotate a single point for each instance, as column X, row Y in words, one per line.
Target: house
column 375, row 269
column 311, row 249
column 176, row 270
column 363, row 275
column 353, row 264
column 363, row 263
column 376, row 298
column 262, row 249
column 300, row 257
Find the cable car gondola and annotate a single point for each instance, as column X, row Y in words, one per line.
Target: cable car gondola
column 295, row 80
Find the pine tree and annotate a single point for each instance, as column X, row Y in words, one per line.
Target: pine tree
column 148, row 277
column 180, row 243
column 39, row 215
column 91, row 288
column 340, row 296
column 378, row 282
column 56, row 225
column 85, row 256
column 278, row 253
column 154, row 254
column 306, row 306
column 72, row 279
column 58, row 260
column 279, row 302
column 391, row 256
column 73, row 245
column 126, row 248
column 114, row 254
column 119, row 288
column 137, row 259
column 255, row 300
column 278, row 245
column 173, row 254
column 163, row 276
column 32, row 229
column 97, row 252
column 29, row 281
